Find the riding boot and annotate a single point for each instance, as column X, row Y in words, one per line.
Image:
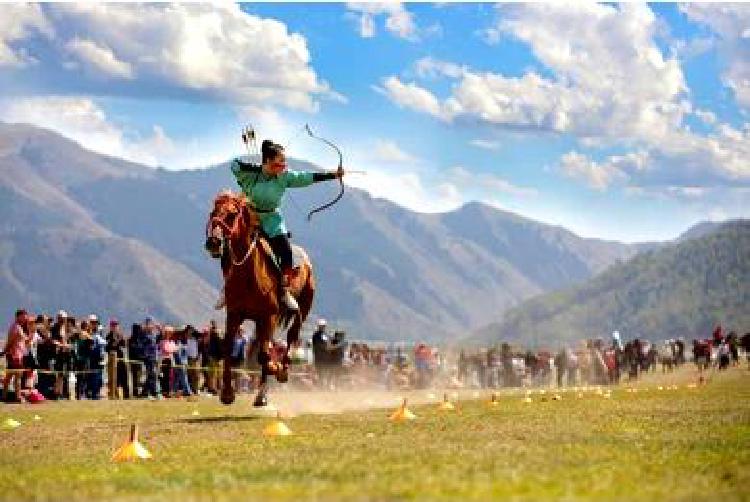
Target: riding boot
column 287, row 297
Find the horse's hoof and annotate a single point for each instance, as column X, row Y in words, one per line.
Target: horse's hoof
column 227, row 397
column 282, row 375
column 261, row 400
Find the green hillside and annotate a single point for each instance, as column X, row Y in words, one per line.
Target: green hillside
column 682, row 289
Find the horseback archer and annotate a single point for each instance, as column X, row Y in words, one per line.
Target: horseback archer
column 247, row 231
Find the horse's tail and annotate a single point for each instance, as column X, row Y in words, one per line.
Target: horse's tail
column 294, row 320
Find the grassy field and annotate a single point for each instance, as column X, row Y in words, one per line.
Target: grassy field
column 689, row 443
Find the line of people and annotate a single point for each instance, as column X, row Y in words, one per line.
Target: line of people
column 66, row 358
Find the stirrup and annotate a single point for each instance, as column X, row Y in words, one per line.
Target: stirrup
column 289, row 301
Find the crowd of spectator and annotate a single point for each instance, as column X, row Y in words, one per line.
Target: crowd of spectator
column 70, row 358
column 66, row 358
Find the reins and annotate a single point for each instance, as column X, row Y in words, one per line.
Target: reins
column 234, row 231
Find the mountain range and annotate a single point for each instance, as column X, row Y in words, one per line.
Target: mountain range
column 684, row 288
column 88, row 232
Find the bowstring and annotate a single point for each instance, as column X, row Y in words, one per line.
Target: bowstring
column 289, row 194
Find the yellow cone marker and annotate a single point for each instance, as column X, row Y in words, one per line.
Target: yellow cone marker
column 196, row 413
column 9, row 424
column 402, row 413
column 446, row 405
column 527, row 399
column 132, row 449
column 277, row 428
column 37, row 417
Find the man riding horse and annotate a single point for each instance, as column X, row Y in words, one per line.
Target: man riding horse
column 260, row 282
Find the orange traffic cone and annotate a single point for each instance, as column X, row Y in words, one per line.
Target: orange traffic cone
column 132, row 449
column 402, row 413
column 277, row 428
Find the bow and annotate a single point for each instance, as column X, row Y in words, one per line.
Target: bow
column 339, row 170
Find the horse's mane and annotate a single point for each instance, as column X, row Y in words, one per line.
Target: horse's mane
column 228, row 196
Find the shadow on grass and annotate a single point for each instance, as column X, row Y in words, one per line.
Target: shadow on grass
column 229, row 418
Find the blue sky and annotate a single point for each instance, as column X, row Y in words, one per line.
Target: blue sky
column 626, row 122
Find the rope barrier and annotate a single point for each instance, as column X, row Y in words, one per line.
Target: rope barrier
column 218, row 367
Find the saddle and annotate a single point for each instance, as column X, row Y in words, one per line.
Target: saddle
column 299, row 258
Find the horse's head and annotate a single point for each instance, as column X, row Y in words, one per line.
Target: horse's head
column 230, row 219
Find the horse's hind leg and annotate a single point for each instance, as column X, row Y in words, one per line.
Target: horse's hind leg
column 233, row 325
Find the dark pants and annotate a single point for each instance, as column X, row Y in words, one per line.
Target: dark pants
column 136, row 370
column 282, row 248
column 152, row 382
column 122, row 379
column 166, row 376
column 95, row 382
column 46, row 384
column 82, row 381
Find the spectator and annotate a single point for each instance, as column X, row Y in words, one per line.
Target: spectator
column 237, row 357
column 59, row 331
column 724, row 354
column 117, row 347
column 82, row 342
column 215, row 353
column 193, row 357
column 151, row 359
column 321, row 346
column 15, row 347
column 203, row 349
column 136, row 359
column 96, row 354
column 167, row 348
column 180, row 385
column 46, row 352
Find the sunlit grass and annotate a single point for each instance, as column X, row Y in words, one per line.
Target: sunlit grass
column 688, row 443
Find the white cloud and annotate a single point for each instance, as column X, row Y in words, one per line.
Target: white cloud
column 731, row 21
column 488, row 183
column 411, row 96
column 366, row 26
column 486, row 144
column 389, row 151
column 428, row 67
column 684, row 159
column 609, row 85
column 19, row 21
column 596, row 175
column 408, row 189
column 706, row 116
column 83, row 121
column 611, row 81
column 100, row 60
column 211, row 51
column 398, row 20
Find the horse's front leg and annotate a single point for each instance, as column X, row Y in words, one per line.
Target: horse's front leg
column 263, row 335
column 233, row 325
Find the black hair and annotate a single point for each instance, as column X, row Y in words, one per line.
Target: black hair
column 269, row 150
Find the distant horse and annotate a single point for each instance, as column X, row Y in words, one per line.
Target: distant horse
column 252, row 288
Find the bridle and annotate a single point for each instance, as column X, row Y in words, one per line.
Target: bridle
column 233, row 232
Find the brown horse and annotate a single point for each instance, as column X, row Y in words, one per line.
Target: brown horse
column 252, row 288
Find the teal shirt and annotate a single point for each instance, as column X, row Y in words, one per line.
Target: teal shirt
column 265, row 193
